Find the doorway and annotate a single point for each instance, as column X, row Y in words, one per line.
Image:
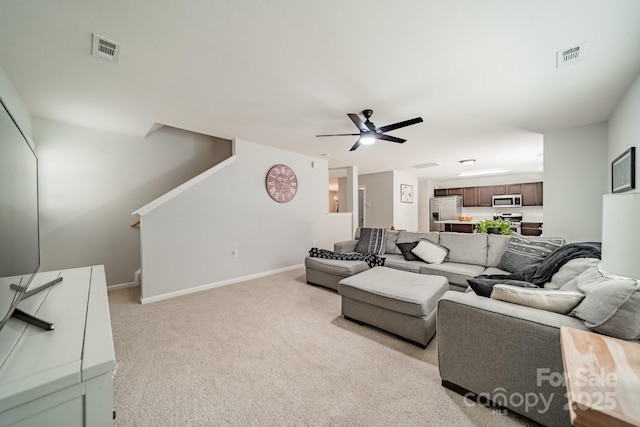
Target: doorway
column 361, row 205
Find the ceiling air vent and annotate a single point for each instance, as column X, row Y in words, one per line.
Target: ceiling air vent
column 105, row 48
column 569, row 56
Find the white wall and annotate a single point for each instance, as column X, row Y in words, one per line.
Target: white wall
column 575, row 178
column 624, row 129
column 15, row 105
column 188, row 241
column 379, row 199
column 405, row 215
column 91, row 181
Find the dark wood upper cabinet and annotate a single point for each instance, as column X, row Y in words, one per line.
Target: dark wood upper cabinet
column 485, row 196
column 482, row 196
column 470, row 197
column 499, row 190
column 514, row 189
column 532, row 194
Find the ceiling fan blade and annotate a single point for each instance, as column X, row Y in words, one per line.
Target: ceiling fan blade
column 390, row 138
column 356, row 145
column 341, row 134
column 358, row 122
column 399, row 125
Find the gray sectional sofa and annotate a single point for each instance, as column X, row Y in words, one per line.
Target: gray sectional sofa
column 498, row 351
column 469, row 254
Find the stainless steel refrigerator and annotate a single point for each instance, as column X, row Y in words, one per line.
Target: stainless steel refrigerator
column 442, row 209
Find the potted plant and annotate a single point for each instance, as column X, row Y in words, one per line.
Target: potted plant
column 493, row 226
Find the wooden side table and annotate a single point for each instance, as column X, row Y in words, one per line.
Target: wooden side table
column 602, row 378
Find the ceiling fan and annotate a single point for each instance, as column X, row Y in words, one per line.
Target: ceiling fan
column 369, row 132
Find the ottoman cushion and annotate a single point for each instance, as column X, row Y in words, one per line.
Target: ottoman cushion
column 413, row 294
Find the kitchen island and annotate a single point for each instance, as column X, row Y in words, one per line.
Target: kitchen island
column 458, row 226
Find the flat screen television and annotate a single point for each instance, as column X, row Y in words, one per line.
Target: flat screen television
column 19, row 220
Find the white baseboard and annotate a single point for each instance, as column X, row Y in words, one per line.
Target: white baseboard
column 216, row 284
column 122, row 286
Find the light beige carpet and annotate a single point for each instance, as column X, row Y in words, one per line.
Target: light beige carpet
column 273, row 352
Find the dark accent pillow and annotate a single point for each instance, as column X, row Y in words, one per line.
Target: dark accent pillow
column 405, row 248
column 483, row 287
column 372, row 241
column 524, row 252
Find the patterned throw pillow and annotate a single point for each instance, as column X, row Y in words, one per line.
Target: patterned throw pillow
column 524, row 252
column 372, row 241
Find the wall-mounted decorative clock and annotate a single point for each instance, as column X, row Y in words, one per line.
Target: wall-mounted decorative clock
column 406, row 193
column 282, row 183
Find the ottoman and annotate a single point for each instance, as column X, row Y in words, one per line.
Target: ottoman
column 396, row 301
column 328, row 272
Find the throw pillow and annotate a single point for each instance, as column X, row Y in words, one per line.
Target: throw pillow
column 430, row 252
column 392, row 238
column 406, row 248
column 524, row 252
column 484, row 287
column 372, row 241
column 544, row 299
column 611, row 305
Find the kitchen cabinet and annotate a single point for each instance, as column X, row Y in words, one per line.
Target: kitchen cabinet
column 485, row 195
column 469, row 197
column 482, row 196
column 531, row 228
column 514, row 189
column 532, row 194
column 439, row 192
column 499, row 190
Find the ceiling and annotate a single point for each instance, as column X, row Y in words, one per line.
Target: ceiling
column 482, row 74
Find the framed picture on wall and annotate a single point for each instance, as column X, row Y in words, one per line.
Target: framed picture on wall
column 623, row 171
column 406, row 193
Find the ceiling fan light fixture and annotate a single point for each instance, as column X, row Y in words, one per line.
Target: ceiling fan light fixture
column 367, row 140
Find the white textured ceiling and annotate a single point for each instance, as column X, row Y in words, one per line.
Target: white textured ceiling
column 481, row 73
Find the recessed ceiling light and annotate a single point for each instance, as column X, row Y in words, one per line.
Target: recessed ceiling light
column 483, row 172
column 467, row 161
column 325, row 154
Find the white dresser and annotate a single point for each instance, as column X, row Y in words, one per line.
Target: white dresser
column 62, row 377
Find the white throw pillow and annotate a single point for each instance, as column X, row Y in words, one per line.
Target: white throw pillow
column 430, row 252
column 544, row 299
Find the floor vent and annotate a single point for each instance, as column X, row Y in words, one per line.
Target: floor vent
column 105, row 48
column 569, row 56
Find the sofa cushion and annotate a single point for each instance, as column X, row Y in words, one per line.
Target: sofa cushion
column 544, row 299
column 497, row 244
column 611, row 305
column 524, row 252
column 392, row 238
column 484, row 287
column 398, row 262
column 465, row 248
column 406, row 248
column 372, row 241
column 335, row 266
column 430, row 252
column 456, row 273
column 569, row 271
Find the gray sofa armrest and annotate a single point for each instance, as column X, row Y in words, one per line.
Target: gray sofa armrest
column 345, row 246
column 505, row 353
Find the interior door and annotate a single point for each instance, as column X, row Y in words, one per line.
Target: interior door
column 360, row 207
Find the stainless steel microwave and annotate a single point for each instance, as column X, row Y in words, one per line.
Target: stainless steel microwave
column 507, row 201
